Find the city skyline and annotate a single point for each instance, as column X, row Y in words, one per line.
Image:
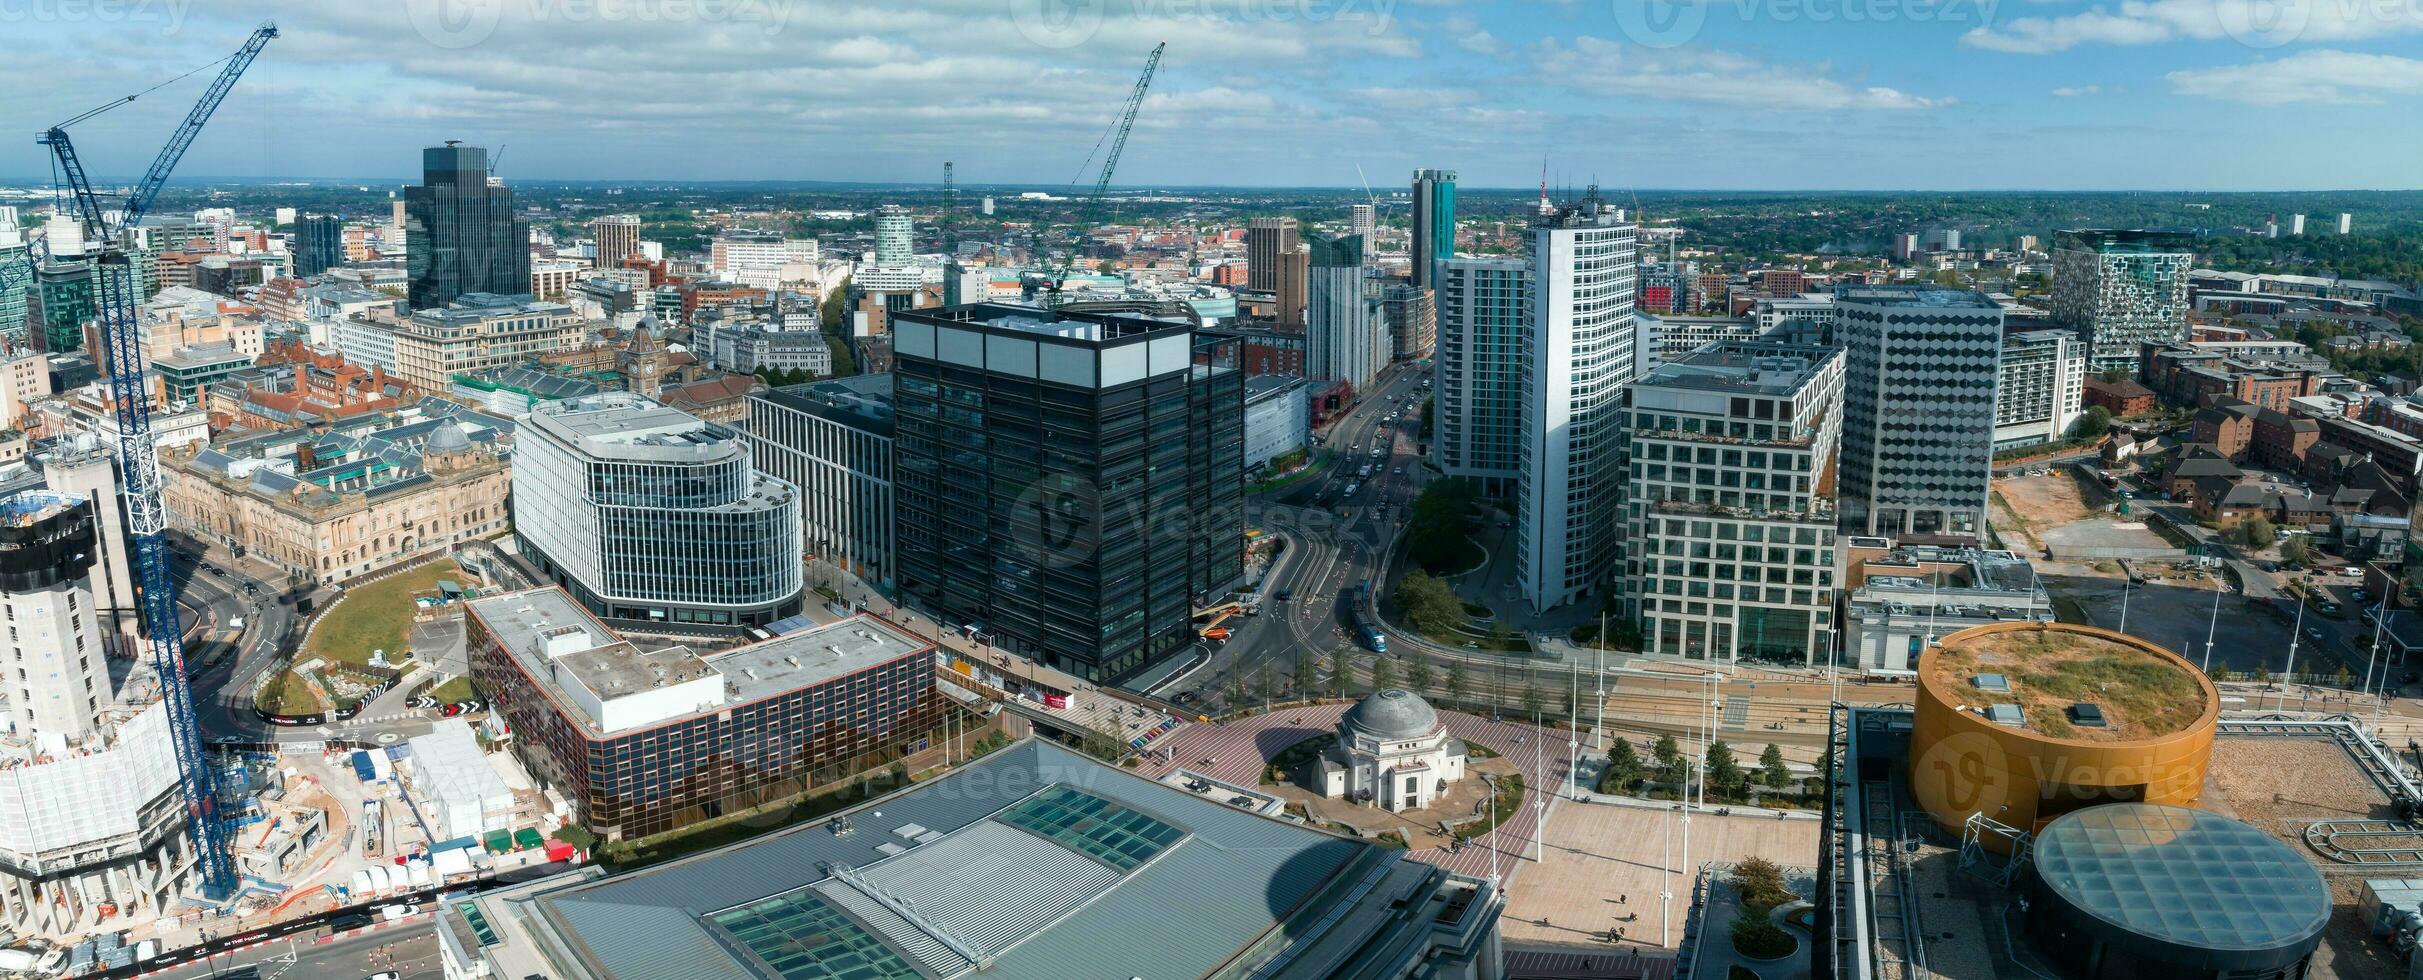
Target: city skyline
column 612, row 92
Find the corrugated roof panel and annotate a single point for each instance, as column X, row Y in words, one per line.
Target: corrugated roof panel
column 990, row 885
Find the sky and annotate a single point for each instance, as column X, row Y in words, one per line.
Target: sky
column 1715, row 94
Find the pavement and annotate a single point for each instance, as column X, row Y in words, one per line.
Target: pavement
column 408, row 946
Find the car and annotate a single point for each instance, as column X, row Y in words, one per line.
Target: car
column 450, row 711
column 1184, row 697
column 2314, row 633
column 1398, row 470
column 2359, row 595
column 2327, row 607
column 1286, row 594
column 2267, row 565
column 385, row 975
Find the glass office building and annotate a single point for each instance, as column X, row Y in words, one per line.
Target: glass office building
column 319, row 244
column 1066, row 484
column 461, row 233
column 652, row 517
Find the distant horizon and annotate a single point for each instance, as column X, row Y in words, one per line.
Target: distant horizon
column 1554, row 192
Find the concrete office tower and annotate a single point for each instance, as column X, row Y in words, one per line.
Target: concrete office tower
column 1433, row 222
column 894, row 238
column 1295, row 284
column 1729, row 552
column 1578, row 337
column 833, row 440
column 1339, row 336
column 1066, row 482
column 14, row 252
column 2121, row 290
column 319, row 245
column 617, row 237
column 988, row 204
column 1905, row 246
column 1412, row 318
column 462, row 233
column 1477, row 377
column 1267, row 241
column 83, row 466
column 2296, row 224
column 653, row 518
column 88, row 776
column 2041, row 388
column 1918, row 410
column 2347, row 222
column 1361, row 221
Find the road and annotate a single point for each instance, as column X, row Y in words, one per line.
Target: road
column 408, row 948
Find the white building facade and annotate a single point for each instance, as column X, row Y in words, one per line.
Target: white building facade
column 1578, row 353
column 2041, row 388
column 1345, row 338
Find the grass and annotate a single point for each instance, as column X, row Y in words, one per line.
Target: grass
column 1740, row 972
column 2053, row 670
column 1294, row 756
column 1509, row 799
column 454, row 690
column 1759, row 939
column 377, row 616
column 289, row 694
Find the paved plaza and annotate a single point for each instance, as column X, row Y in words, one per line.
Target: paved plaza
column 1604, row 862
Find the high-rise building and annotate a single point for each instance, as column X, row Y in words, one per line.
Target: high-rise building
column 14, row 252
column 2042, row 385
column 1729, row 553
column 1295, row 284
column 1342, row 339
column 2347, row 222
column 833, row 440
column 463, row 235
column 1267, row 240
column 894, row 239
column 2296, row 224
column 2121, row 290
column 1578, row 337
column 319, row 244
column 60, row 302
column 617, row 237
column 1066, row 483
column 1477, row 377
column 1411, row 315
column 651, row 517
column 1918, row 409
column 1362, row 220
column 1433, row 222
column 91, row 791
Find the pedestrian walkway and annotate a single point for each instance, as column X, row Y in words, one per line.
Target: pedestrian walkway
column 1237, row 751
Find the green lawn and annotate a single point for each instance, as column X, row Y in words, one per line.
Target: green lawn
column 377, row 616
column 288, row 694
column 454, row 690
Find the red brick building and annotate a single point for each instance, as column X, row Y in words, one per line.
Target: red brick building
column 2123, row 399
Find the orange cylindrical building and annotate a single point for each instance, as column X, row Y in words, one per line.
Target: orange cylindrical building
column 2026, row 721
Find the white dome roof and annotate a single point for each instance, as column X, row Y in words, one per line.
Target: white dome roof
column 1391, row 714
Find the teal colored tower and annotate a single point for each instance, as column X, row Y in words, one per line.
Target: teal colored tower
column 1433, row 223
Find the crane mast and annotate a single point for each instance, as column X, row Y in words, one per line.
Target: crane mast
column 1092, row 209
column 138, row 456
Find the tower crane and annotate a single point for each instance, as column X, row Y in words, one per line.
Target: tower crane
column 138, row 456
column 1091, row 209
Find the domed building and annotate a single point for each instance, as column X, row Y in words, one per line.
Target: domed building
column 1392, row 752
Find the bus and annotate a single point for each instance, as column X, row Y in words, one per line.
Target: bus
column 1365, row 626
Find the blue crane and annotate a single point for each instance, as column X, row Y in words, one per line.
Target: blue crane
column 138, row 457
column 1091, row 211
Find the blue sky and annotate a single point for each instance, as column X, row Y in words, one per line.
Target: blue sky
column 1763, row 94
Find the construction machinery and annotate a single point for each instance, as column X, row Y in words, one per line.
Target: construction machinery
column 138, row 457
column 1057, row 271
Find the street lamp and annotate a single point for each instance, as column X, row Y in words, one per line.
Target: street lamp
column 2289, row 675
column 2208, row 632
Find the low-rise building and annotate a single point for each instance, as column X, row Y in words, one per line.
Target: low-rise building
column 1032, row 863
column 1899, row 600
column 1278, row 418
column 2124, row 398
column 643, row 741
column 328, row 507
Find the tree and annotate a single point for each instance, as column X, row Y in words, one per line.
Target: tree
column 1341, row 669
column 1624, row 766
column 2116, row 375
column 1308, row 675
column 2257, row 532
column 1418, row 673
column 835, row 306
column 2092, row 423
column 1501, row 636
column 1455, row 682
column 2292, row 550
column 1771, row 771
column 1725, row 773
column 1435, row 537
column 2263, row 674
column 1669, row 756
column 1428, row 602
column 1383, row 673
column 1761, row 884
column 1267, row 680
column 1531, row 701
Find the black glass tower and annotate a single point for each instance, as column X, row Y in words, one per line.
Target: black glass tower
column 461, row 235
column 1066, row 484
column 319, row 244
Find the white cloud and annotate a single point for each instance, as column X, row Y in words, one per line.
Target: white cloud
column 2072, row 92
column 2255, row 23
column 1468, row 34
column 1601, row 67
column 2321, row 76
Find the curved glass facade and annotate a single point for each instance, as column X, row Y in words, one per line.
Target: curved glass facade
column 650, row 515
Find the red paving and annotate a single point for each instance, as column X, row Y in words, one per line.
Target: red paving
column 1239, row 749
